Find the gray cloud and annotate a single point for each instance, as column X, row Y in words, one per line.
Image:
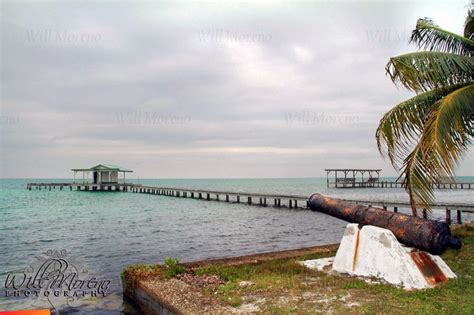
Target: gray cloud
column 202, row 89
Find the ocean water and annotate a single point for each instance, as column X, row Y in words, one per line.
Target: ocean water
column 106, row 231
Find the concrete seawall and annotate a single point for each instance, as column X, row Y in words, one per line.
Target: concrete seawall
column 155, row 295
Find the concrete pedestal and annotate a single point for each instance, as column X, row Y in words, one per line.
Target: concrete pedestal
column 374, row 252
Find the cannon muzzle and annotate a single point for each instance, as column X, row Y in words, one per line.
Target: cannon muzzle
column 427, row 235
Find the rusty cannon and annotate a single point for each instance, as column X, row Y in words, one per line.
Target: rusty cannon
column 427, row 235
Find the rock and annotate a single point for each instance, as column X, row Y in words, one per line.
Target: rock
column 322, row 264
column 244, row 284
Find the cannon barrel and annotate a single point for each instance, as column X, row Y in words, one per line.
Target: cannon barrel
column 428, row 235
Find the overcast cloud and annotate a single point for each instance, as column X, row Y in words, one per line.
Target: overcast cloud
column 202, row 89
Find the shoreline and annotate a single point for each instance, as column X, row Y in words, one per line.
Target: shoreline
column 138, row 290
column 276, row 282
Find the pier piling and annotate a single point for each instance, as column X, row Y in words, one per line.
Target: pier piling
column 448, row 216
column 262, row 198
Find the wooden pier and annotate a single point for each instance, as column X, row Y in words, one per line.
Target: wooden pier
column 252, row 199
column 259, row 199
column 392, row 184
column 354, row 178
column 82, row 186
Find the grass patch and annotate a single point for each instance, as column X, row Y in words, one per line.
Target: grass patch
column 283, row 287
column 132, row 274
column 173, row 267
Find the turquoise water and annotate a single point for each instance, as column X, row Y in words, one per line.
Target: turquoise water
column 107, row 231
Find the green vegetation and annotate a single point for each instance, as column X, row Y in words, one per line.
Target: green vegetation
column 424, row 137
column 284, row 286
column 134, row 273
column 172, row 267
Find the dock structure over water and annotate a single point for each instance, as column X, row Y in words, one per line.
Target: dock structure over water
column 102, row 174
column 350, row 177
column 258, row 199
column 104, row 177
column 125, row 187
column 294, row 201
column 251, row 199
column 370, row 178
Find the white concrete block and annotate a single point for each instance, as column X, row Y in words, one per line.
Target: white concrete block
column 375, row 252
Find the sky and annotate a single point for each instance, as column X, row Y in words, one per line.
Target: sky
column 203, row 89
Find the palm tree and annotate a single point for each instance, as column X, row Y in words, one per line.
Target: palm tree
column 425, row 136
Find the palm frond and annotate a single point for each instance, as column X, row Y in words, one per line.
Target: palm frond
column 428, row 35
column 422, row 71
column 400, row 128
column 469, row 25
column 429, row 133
column 449, row 127
column 446, row 135
column 417, row 180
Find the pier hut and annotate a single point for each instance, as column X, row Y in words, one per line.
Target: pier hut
column 370, row 178
column 353, row 177
column 102, row 177
column 102, row 174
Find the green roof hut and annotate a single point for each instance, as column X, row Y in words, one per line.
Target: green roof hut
column 101, row 174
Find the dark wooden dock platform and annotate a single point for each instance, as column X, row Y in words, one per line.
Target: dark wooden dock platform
column 253, row 199
column 261, row 199
column 82, row 186
column 292, row 201
column 395, row 184
column 354, row 178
